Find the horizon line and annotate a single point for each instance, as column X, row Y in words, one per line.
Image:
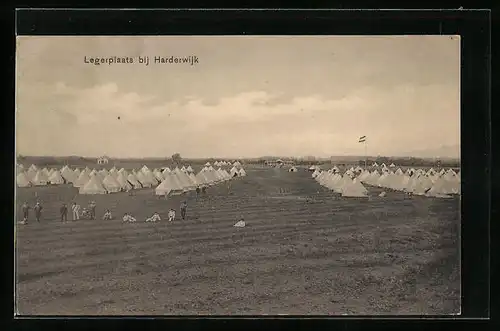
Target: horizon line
column 239, row 158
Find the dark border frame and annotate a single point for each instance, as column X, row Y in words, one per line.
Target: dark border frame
column 474, row 27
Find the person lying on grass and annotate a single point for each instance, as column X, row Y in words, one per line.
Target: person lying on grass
column 156, row 217
column 128, row 218
column 107, row 216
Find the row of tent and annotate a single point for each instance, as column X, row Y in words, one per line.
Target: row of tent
column 442, row 184
column 224, row 163
column 392, row 165
column 104, row 181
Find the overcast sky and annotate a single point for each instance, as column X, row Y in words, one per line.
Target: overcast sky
column 246, row 97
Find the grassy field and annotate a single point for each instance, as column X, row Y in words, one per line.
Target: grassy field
column 304, row 251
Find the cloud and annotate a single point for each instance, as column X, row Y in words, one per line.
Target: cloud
column 103, row 119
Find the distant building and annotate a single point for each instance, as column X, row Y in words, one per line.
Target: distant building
column 103, row 160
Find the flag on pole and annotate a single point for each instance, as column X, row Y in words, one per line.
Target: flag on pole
column 362, row 139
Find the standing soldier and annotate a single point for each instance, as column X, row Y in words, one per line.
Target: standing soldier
column 25, row 209
column 183, row 210
column 92, row 210
column 64, row 213
column 197, row 190
column 76, row 211
column 38, row 211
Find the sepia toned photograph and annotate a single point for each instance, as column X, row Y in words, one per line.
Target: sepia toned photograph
column 237, row 175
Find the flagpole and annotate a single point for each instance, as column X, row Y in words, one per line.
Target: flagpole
column 366, row 155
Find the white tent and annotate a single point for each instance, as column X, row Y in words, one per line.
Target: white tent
column 40, row 179
column 82, row 179
column 68, row 175
column 423, row 185
column 207, row 164
column 132, row 179
column 122, row 180
column 31, row 173
column 243, row 172
column 353, row 189
column 158, row 175
column 292, row 169
column 141, row 177
column 171, row 184
column 111, row 184
column 392, row 165
column 56, row 178
column 375, row 164
column 189, row 169
column 93, row 186
column 234, row 172
column 22, row 180
column 443, row 187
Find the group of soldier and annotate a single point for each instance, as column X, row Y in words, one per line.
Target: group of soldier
column 90, row 213
column 63, row 211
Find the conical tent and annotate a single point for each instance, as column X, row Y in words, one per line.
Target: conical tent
column 158, row 175
column 354, row 189
column 185, row 181
column 22, row 180
column 234, row 172
column 68, row 175
column 243, row 172
column 145, row 182
column 132, row 179
column 122, row 180
column 111, row 184
column 56, row 178
column 40, row 179
column 171, row 184
column 292, row 169
column 31, row 173
column 82, row 180
column 443, row 187
column 201, row 179
column 45, row 172
column 93, row 186
column 422, row 186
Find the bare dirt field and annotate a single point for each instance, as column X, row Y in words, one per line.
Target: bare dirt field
column 303, row 251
